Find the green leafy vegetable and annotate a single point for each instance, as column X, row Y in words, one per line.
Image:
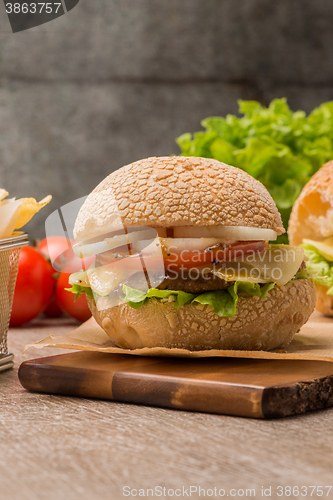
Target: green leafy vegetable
column 223, row 302
column 279, row 147
column 319, row 268
column 79, row 290
column 136, row 298
column 255, row 288
column 302, row 275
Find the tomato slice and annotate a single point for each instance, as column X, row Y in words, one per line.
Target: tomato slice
column 184, row 259
column 213, row 255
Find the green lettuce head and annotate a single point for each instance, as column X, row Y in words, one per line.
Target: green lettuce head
column 279, row 147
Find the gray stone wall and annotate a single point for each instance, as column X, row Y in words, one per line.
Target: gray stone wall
column 114, row 81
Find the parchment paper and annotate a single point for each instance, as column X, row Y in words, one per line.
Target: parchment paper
column 314, row 342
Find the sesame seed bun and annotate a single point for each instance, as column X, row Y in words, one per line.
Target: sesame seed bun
column 185, row 191
column 324, row 303
column 312, row 213
column 312, row 218
column 176, row 191
column 259, row 324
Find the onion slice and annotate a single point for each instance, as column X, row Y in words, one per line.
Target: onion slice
column 239, row 233
column 185, row 237
column 191, row 244
column 83, row 250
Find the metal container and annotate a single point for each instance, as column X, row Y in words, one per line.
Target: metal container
column 9, row 255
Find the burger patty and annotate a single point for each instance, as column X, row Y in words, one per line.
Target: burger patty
column 199, row 283
column 202, row 283
column 187, row 281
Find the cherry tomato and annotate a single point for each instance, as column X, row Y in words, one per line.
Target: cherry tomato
column 77, row 309
column 34, row 286
column 59, row 250
column 53, row 309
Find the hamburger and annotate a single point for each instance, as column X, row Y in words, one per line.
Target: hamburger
column 183, row 259
column 311, row 225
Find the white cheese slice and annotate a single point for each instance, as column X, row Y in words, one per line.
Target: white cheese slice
column 279, row 263
column 105, row 278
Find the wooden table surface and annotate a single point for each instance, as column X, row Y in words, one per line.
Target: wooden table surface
column 55, row 447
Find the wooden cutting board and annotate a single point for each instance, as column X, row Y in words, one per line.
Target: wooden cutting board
column 244, row 387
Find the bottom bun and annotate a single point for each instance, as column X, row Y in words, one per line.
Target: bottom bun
column 324, row 302
column 259, row 324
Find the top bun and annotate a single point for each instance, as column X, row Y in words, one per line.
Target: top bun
column 176, row 191
column 312, row 214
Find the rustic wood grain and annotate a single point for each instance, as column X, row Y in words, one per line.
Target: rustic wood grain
column 258, row 388
column 56, row 447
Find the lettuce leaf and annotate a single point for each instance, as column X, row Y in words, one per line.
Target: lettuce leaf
column 223, row 302
column 79, row 290
column 319, row 269
column 255, row 288
column 279, row 147
column 136, row 298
